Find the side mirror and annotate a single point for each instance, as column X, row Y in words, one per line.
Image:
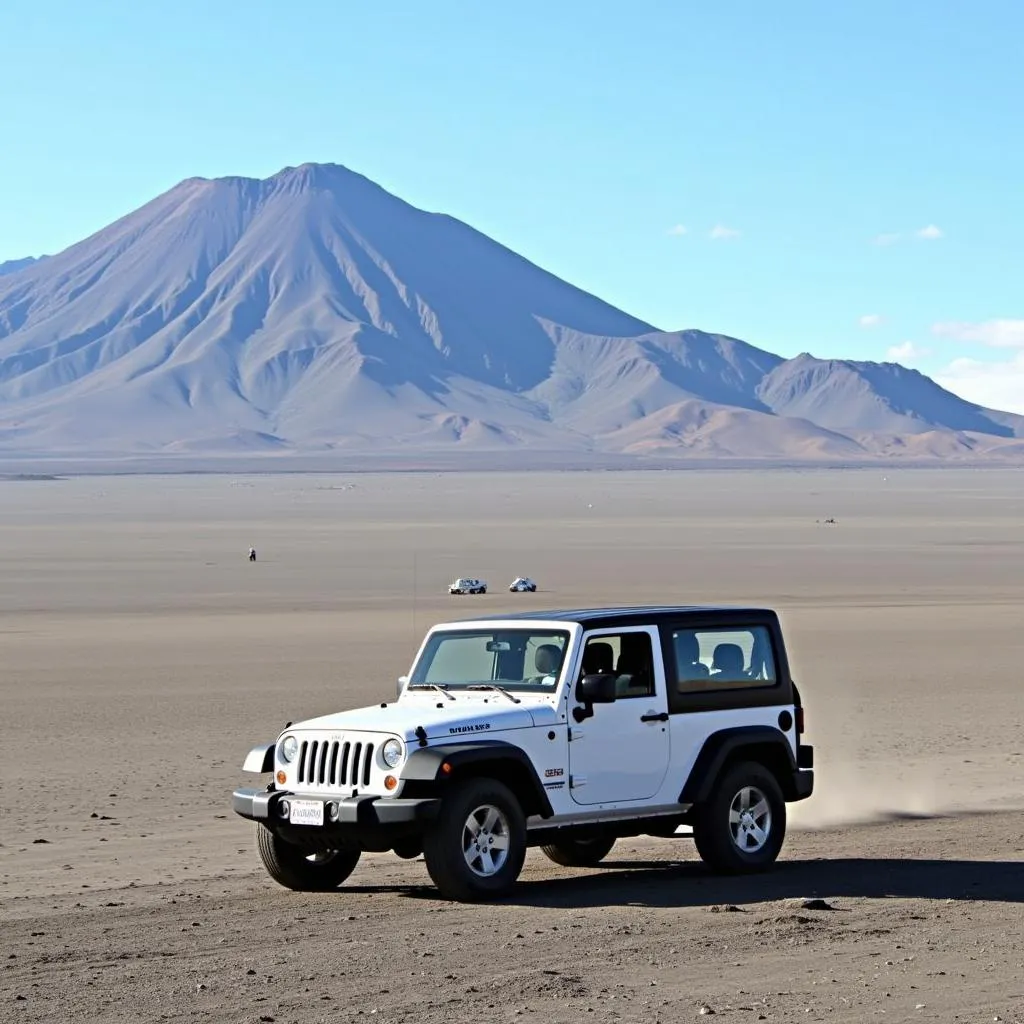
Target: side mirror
column 400, row 685
column 591, row 690
column 596, row 689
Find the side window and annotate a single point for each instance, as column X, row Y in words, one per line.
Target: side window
column 722, row 659
column 628, row 656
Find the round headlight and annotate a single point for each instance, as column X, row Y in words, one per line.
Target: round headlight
column 392, row 753
column 289, row 748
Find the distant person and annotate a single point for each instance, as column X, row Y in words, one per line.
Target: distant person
column 252, row 554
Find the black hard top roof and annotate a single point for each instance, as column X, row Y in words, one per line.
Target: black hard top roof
column 620, row 615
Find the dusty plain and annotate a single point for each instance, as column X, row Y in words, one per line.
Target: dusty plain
column 142, row 654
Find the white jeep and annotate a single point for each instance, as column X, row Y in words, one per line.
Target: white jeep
column 563, row 730
column 467, row 585
column 522, row 584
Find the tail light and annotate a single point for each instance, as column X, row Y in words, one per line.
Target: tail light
column 799, row 721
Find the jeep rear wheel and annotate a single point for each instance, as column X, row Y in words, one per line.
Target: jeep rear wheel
column 296, row 868
column 476, row 846
column 579, row 853
column 742, row 826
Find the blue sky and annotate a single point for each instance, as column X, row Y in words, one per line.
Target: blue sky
column 844, row 179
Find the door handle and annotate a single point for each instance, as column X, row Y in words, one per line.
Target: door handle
column 653, row 717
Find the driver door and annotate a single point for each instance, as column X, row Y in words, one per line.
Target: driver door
column 622, row 751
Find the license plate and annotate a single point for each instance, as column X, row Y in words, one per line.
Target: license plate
column 306, row 812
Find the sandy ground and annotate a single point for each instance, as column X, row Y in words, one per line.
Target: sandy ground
column 141, row 655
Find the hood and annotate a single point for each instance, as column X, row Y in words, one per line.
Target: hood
column 468, row 714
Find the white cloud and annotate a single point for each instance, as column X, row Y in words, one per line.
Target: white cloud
column 929, row 233
column 906, row 353
column 677, row 229
column 994, row 333
column 721, row 233
column 998, row 385
column 870, row 320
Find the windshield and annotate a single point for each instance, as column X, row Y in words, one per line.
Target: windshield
column 517, row 659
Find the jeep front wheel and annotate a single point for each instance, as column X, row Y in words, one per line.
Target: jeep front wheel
column 743, row 824
column 476, row 847
column 579, row 853
column 296, row 868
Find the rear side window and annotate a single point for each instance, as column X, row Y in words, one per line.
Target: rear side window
column 732, row 658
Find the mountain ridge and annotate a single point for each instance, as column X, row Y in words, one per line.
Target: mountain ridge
column 14, row 266
column 315, row 311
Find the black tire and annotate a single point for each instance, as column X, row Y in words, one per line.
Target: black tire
column 290, row 865
column 579, row 853
column 753, row 842
column 449, row 844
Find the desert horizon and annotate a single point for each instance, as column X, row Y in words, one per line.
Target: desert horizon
column 27, row 467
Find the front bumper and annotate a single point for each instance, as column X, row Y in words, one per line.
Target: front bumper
column 359, row 811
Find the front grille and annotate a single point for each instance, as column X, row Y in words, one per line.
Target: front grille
column 335, row 764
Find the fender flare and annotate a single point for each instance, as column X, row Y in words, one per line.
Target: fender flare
column 424, row 764
column 260, row 759
column 720, row 746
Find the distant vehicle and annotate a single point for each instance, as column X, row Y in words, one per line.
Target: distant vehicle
column 467, row 585
column 522, row 583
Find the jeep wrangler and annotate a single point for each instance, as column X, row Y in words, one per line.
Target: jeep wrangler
column 565, row 730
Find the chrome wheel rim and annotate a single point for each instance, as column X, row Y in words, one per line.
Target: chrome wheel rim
column 485, row 840
column 750, row 820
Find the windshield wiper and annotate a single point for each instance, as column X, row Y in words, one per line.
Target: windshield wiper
column 432, row 686
column 501, row 689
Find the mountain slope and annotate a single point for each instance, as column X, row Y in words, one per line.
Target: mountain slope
column 846, row 395
column 315, row 311
column 709, row 430
column 600, row 384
